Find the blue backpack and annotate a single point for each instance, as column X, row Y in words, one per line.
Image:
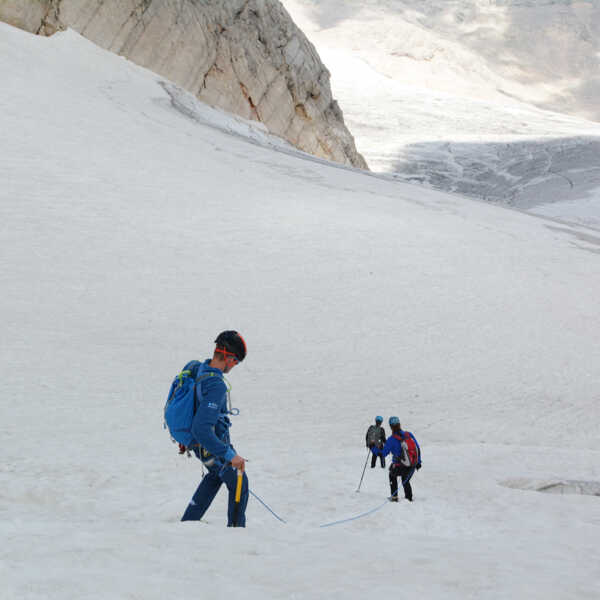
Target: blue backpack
column 181, row 403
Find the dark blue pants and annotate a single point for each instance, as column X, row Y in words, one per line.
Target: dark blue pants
column 207, row 490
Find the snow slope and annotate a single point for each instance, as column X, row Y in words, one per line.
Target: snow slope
column 443, row 93
column 137, row 223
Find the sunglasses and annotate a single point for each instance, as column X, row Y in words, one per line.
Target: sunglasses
column 229, row 356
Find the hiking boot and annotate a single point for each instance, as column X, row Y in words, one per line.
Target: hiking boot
column 393, row 498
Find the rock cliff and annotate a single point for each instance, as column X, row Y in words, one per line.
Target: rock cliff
column 245, row 56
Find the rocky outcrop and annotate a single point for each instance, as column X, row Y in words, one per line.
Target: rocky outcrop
column 26, row 15
column 245, row 56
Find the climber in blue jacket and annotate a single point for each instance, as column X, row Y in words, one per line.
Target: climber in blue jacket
column 210, row 430
column 406, row 458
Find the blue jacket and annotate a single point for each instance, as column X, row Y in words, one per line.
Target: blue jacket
column 394, row 446
column 210, row 427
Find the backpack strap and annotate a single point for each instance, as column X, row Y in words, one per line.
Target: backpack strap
column 230, row 410
column 184, row 373
column 206, row 376
column 200, row 380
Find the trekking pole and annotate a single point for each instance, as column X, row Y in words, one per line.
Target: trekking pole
column 364, row 469
column 238, row 497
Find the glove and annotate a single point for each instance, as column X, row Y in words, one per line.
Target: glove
column 418, row 466
column 371, row 445
column 182, row 449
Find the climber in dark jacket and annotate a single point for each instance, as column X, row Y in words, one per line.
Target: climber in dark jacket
column 376, row 437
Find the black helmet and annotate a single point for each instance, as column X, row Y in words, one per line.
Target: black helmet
column 233, row 343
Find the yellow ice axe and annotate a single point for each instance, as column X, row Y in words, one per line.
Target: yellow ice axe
column 238, row 487
column 238, row 497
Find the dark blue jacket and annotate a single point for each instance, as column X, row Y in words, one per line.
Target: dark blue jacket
column 394, row 446
column 210, row 427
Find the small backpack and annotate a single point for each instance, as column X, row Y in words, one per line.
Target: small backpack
column 181, row 404
column 410, row 452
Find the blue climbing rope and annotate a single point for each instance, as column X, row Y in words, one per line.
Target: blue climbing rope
column 365, row 514
column 268, row 507
column 373, row 510
column 370, row 512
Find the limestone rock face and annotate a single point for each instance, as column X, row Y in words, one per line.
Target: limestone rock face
column 26, row 15
column 245, row 56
